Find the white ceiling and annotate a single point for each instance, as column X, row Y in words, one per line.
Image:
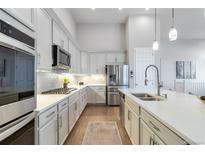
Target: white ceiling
column 113, row 15
column 104, row 15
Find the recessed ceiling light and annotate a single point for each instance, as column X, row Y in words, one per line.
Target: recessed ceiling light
column 119, row 9
column 147, row 9
column 93, row 9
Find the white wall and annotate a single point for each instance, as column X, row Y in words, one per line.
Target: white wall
column 65, row 16
column 139, row 34
column 101, row 37
column 190, row 50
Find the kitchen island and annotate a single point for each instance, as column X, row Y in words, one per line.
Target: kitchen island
column 182, row 114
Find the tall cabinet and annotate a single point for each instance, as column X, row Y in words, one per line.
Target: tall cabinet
column 43, row 27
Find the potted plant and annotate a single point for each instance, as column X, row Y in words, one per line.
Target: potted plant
column 66, row 81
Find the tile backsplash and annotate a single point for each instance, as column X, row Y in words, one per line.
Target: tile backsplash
column 48, row 80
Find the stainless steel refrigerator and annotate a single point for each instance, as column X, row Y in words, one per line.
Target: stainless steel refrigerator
column 116, row 77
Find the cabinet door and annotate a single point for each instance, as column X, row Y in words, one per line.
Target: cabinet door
column 90, row 95
column 146, row 135
column 158, row 141
column 113, row 58
column 57, row 34
column 100, row 97
column 134, row 128
column 72, row 115
column 24, row 15
column 48, row 133
column 63, row 125
column 44, row 40
column 127, row 119
column 64, row 41
column 101, row 58
column 93, row 63
column 84, row 62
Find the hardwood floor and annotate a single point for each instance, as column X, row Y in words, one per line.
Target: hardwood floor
column 96, row 113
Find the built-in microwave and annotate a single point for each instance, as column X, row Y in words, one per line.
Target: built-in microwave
column 61, row 58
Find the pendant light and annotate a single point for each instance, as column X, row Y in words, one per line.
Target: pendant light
column 173, row 31
column 155, row 45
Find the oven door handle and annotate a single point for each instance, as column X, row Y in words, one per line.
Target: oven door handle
column 15, row 126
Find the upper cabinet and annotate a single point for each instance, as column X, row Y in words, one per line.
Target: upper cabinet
column 84, row 62
column 24, row 15
column 59, row 37
column 44, row 60
column 116, row 58
column 75, row 58
column 97, row 63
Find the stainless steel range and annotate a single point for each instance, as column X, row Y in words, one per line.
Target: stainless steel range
column 60, row 91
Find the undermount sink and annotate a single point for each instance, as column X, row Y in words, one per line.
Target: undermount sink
column 141, row 95
column 147, row 97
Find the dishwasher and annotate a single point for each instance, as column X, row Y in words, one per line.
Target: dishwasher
column 122, row 107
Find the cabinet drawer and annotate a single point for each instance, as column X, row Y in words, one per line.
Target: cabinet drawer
column 167, row 135
column 98, row 88
column 133, row 105
column 73, row 97
column 62, row 105
column 47, row 115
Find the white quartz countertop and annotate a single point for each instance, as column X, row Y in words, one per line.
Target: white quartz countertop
column 182, row 113
column 45, row 101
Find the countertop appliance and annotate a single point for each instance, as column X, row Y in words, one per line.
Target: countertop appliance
column 61, row 58
column 122, row 108
column 116, row 77
column 17, row 95
column 60, row 91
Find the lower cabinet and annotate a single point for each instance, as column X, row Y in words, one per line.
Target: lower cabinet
column 148, row 137
column 72, row 115
column 132, row 124
column 96, row 94
column 48, row 133
column 63, row 125
column 155, row 132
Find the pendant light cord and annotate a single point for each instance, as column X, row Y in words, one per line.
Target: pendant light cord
column 155, row 24
column 173, row 17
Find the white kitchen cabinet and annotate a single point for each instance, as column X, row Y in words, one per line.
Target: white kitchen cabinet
column 63, row 125
column 132, row 124
column 158, row 141
column 127, row 119
column 59, row 37
column 72, row 115
column 116, row 58
column 84, row 62
column 162, row 134
column 44, row 40
column 100, row 97
column 135, row 124
column 96, row 94
column 97, row 63
column 146, row 135
column 48, row 133
column 24, row 15
column 75, row 58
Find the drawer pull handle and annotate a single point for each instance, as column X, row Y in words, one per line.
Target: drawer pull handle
column 60, row 121
column 50, row 114
column 63, row 104
column 155, row 127
column 151, row 141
